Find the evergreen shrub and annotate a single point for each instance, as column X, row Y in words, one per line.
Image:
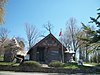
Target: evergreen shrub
column 56, row 64
column 31, row 64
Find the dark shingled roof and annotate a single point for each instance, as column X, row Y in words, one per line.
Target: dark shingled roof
column 48, row 36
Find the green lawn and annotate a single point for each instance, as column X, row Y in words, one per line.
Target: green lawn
column 66, row 65
column 1, row 58
column 73, row 65
column 98, row 65
column 9, row 63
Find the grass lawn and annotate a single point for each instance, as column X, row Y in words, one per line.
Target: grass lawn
column 70, row 65
column 66, row 65
column 1, row 58
column 9, row 63
column 73, row 65
column 98, row 65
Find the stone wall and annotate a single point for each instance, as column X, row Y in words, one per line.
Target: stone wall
column 46, row 70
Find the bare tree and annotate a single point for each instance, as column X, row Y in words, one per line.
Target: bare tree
column 81, row 45
column 70, row 36
column 3, row 36
column 32, row 34
column 48, row 27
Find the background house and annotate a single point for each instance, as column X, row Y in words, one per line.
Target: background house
column 49, row 49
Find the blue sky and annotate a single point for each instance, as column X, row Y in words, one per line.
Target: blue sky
column 39, row 12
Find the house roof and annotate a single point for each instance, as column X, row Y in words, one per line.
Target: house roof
column 43, row 40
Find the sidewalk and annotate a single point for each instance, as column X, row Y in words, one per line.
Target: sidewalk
column 88, row 65
column 96, row 67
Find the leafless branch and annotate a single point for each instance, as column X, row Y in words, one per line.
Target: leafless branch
column 32, row 34
column 48, row 27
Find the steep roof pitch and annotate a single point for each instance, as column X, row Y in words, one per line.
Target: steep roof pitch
column 48, row 36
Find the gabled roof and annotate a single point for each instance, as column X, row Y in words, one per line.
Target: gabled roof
column 43, row 40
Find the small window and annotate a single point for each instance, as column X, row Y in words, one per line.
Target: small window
column 54, row 52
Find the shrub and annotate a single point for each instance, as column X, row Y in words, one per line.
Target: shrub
column 31, row 64
column 56, row 64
